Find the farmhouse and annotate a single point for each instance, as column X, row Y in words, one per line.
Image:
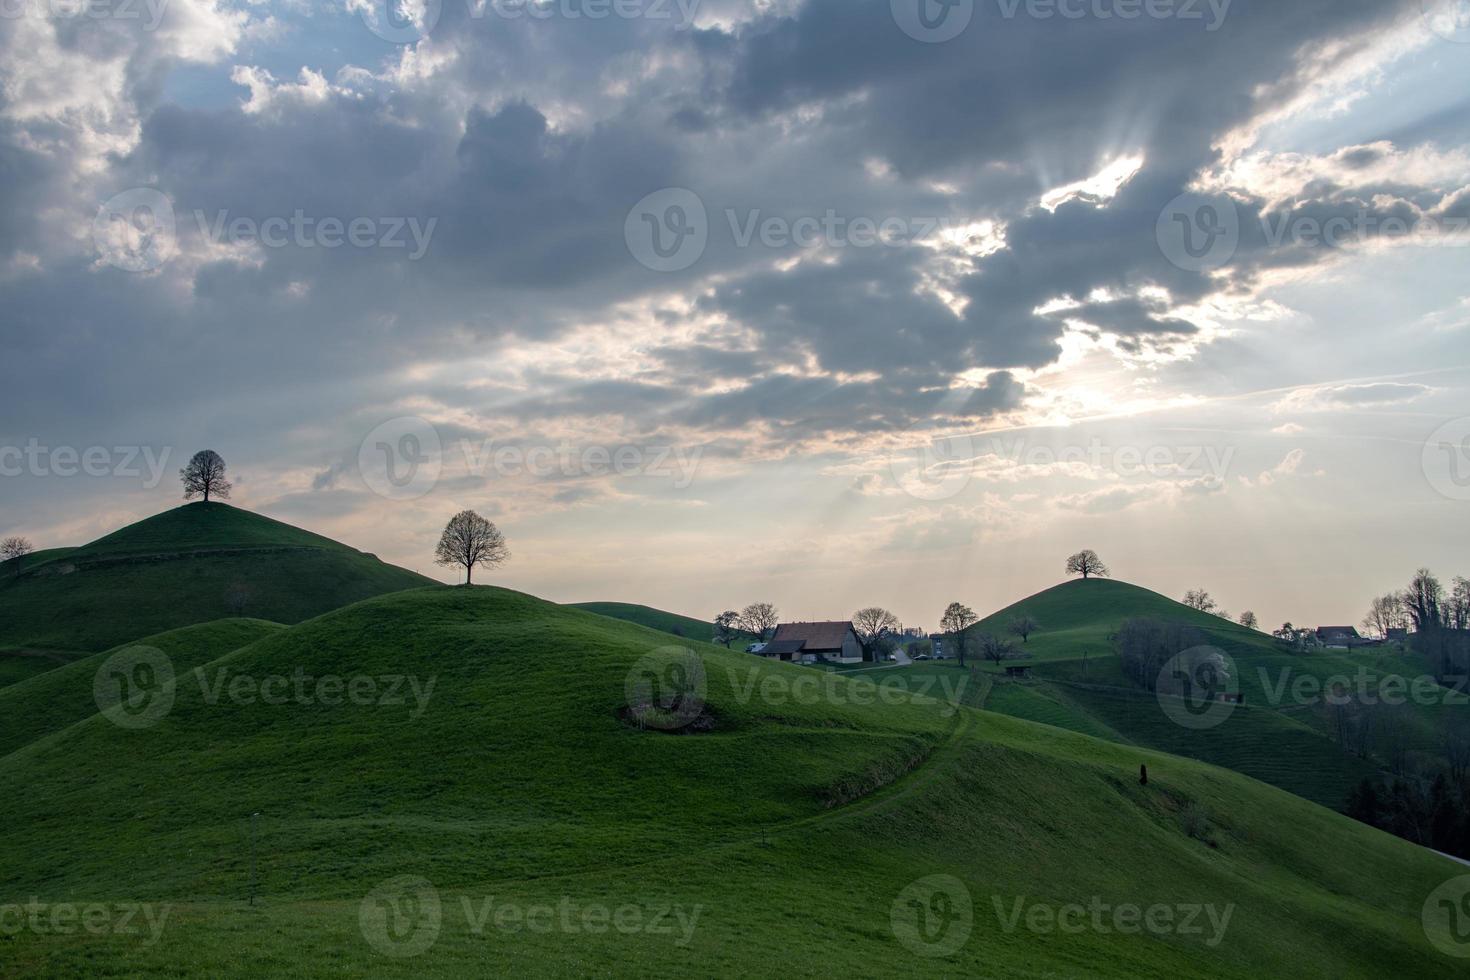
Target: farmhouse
column 807, row 643
column 1341, row 637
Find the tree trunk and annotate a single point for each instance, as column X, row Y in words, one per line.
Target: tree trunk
column 469, row 574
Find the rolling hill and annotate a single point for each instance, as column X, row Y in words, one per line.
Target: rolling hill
column 193, row 564
column 492, row 761
column 656, row 619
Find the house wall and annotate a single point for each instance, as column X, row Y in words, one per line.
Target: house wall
column 852, row 651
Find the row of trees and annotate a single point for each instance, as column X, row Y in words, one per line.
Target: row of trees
column 1430, row 810
column 1425, row 605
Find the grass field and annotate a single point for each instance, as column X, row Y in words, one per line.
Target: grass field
column 798, row 835
column 180, row 568
column 657, row 619
column 20, row 663
column 53, row 700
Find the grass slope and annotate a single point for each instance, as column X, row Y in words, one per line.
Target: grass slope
column 794, row 827
column 174, row 570
column 58, row 698
column 655, row 619
column 20, row 663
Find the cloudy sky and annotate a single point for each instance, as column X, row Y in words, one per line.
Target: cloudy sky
column 826, row 302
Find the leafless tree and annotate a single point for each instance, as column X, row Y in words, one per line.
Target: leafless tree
column 996, row 650
column 1424, row 601
column 1459, row 612
column 758, row 619
column 1199, row 599
column 870, row 625
column 205, row 476
column 1087, row 564
column 469, row 540
column 1385, row 613
column 1249, row 621
column 14, row 549
column 1023, row 626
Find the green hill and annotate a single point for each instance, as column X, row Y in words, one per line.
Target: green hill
column 654, row 619
column 57, row 698
column 797, row 827
column 1078, row 618
column 20, row 663
column 193, row 564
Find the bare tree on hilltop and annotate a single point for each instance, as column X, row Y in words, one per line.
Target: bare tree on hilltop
column 1087, row 564
column 205, row 476
column 14, row 549
column 469, row 540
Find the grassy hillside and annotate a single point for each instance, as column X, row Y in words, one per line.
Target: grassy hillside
column 58, row 698
column 179, row 568
column 1078, row 618
column 799, row 826
column 20, row 663
column 654, row 619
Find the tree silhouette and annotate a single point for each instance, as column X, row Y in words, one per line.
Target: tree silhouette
column 14, row 549
column 205, row 475
column 758, row 619
column 871, row 625
column 469, row 540
column 1087, row 564
column 958, row 618
column 1023, row 626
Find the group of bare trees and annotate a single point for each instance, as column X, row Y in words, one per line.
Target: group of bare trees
column 1202, row 601
column 1438, row 617
column 1146, row 645
column 759, row 619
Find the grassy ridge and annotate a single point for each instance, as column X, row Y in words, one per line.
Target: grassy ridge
column 177, row 569
column 18, row 663
column 51, row 701
column 655, row 619
column 794, row 827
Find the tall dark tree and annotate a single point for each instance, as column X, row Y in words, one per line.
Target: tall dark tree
column 871, row 625
column 205, row 476
column 727, row 626
column 469, row 540
column 1023, row 626
column 956, row 622
column 1087, row 564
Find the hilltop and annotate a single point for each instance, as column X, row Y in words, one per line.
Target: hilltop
column 192, row 564
column 657, row 619
column 506, row 768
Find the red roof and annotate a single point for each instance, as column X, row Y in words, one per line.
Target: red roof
column 814, row 637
